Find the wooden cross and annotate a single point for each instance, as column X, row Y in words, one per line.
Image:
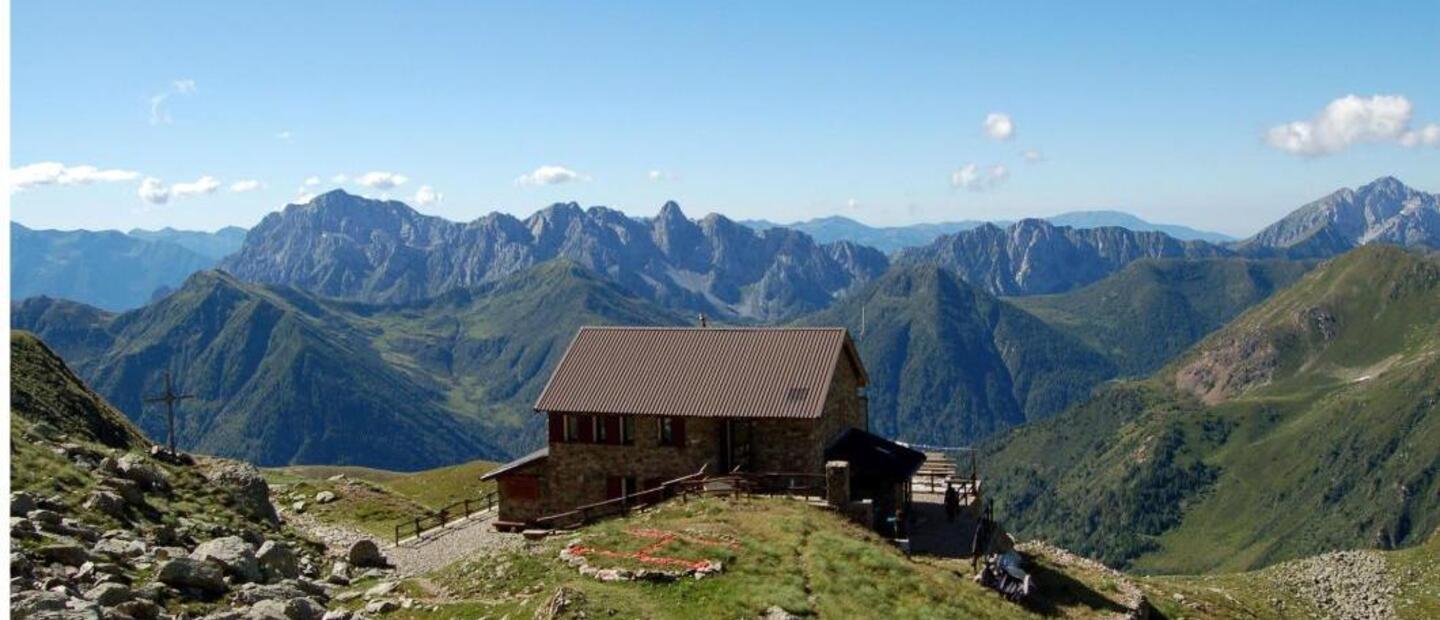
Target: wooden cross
column 169, row 398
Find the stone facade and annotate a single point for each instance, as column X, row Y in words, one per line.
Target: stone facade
column 577, row 473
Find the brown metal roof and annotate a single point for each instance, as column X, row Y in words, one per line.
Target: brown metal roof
column 699, row 372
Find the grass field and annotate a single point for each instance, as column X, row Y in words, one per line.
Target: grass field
column 374, row 500
column 777, row 552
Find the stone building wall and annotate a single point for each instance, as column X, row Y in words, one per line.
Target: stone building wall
column 575, row 473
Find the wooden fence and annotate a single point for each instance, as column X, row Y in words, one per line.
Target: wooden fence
column 437, row 518
column 734, row 484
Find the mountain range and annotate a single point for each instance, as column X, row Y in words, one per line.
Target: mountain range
column 214, row 245
column 1309, row 423
column 348, row 247
column 889, row 239
column 282, row 376
column 108, row 269
column 1382, row 211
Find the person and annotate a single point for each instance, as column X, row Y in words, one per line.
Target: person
column 952, row 502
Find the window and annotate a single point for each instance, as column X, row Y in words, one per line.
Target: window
column 672, row 431
column 601, row 432
column 572, row 428
column 627, row 430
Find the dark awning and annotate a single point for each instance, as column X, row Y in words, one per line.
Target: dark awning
column 873, row 456
column 516, row 465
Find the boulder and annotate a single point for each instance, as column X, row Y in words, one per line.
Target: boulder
column 109, row 594
column 250, row 594
column 126, row 488
column 21, row 503
column 44, row 517
column 245, row 484
column 381, row 606
column 364, row 553
column 298, row 507
column 339, row 573
column 291, row 609
column 36, row 602
column 67, row 553
column 134, row 467
column 106, row 503
column 193, row 574
column 324, row 497
column 235, row 556
column 277, row 561
column 338, row 614
column 140, row 609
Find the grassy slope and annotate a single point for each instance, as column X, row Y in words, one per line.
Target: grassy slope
column 1300, row 456
column 375, row 499
column 1152, row 310
column 806, row 560
column 950, row 364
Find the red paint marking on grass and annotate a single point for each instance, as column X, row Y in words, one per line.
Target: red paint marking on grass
column 662, row 538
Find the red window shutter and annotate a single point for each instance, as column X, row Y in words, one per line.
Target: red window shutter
column 557, row 427
column 613, row 487
column 587, row 429
column 612, row 429
column 677, row 431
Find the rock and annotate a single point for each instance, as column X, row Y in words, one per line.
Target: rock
column 36, row 602
column 233, row 554
column 324, row 497
column 194, row 574
column 20, row 527
column 250, row 594
column 277, row 561
column 316, row 590
column 154, row 591
column 365, row 552
column 140, row 609
column 381, row 589
column 128, row 489
column 134, row 467
column 776, row 612
column 267, row 610
column 336, row 478
column 69, row 554
column 244, row 482
column 21, row 503
column 106, row 503
column 298, row 507
column 381, row 606
column 109, row 594
column 339, row 573
column 337, row 614
column 44, row 517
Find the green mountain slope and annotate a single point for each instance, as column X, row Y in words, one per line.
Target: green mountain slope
column 950, row 364
column 1310, row 423
column 284, row 377
column 1153, row 309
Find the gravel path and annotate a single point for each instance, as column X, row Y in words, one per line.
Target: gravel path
column 456, row 542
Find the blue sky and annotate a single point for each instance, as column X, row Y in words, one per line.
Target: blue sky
column 777, row 110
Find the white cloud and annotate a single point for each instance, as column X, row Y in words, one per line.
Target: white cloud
column 427, row 195
column 381, row 180
column 247, row 185
column 660, row 175
column 1351, row 120
column 159, row 113
column 312, row 181
column 284, row 135
column 1033, row 156
column 999, row 126
column 153, row 191
column 202, row 185
column 1428, row 135
column 339, row 179
column 56, row 173
column 852, row 204
column 550, row 175
column 302, row 196
column 975, row 179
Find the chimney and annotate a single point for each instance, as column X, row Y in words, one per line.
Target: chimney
column 703, row 321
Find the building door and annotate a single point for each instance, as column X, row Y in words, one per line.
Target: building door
column 737, row 444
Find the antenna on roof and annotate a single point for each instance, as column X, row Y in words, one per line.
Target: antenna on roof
column 703, row 322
